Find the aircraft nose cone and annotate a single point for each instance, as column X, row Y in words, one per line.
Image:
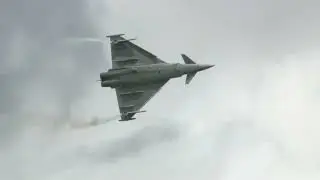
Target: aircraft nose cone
column 204, row 67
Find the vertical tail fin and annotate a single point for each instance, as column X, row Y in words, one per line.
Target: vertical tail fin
column 186, row 59
column 190, row 77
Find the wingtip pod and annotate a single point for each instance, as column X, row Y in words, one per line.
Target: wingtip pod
column 115, row 35
column 116, row 39
column 128, row 116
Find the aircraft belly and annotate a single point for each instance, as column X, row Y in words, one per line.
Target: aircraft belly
column 145, row 77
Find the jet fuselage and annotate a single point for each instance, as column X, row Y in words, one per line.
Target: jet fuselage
column 145, row 74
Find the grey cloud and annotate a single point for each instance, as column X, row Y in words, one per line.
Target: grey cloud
column 133, row 145
column 43, row 63
column 243, row 38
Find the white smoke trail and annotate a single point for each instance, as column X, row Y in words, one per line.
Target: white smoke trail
column 92, row 122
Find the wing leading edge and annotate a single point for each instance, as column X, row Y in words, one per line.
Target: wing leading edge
column 124, row 53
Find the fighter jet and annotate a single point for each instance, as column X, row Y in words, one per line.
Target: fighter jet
column 137, row 75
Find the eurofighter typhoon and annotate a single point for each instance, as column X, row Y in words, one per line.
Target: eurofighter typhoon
column 137, row 75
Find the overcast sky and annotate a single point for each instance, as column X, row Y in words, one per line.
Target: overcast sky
column 253, row 116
